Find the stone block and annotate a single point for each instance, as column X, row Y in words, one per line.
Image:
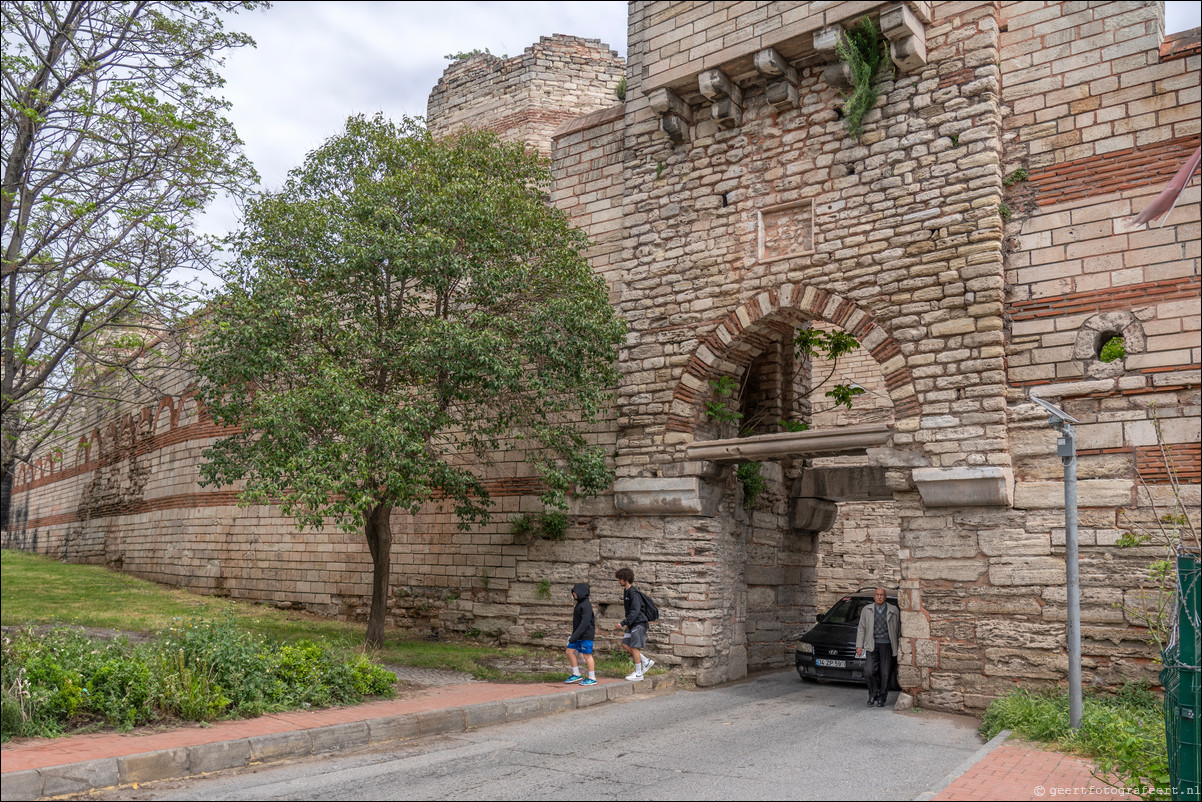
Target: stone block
column 1020, row 634
column 220, row 756
column 1041, row 571
column 21, row 785
column 587, row 697
column 1090, row 493
column 160, row 765
column 279, row 746
column 527, row 707
column 484, row 714
column 956, row 570
column 984, row 486
column 78, row 778
column 336, row 737
column 686, row 495
column 392, row 728
column 440, row 722
column 1014, row 542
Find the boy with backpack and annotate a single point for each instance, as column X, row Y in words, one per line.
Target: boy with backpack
column 640, row 611
column 580, row 642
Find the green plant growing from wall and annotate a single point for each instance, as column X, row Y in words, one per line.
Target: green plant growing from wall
column 1113, row 350
column 1020, row 174
column 547, row 525
column 1004, row 210
column 544, row 589
column 719, row 409
column 620, row 89
column 553, row 525
column 484, row 578
column 751, row 477
column 809, row 343
column 862, row 49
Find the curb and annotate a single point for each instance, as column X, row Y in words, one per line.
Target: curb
column 971, row 761
column 172, row 764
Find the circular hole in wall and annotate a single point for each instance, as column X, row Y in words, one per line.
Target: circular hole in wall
column 1111, row 347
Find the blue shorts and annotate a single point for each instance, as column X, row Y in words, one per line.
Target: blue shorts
column 582, row 646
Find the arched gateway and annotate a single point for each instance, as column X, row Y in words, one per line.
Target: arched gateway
column 971, row 236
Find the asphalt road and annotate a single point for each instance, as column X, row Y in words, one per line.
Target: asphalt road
column 770, row 737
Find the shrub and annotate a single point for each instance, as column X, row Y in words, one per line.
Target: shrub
column 1123, row 733
column 196, row 670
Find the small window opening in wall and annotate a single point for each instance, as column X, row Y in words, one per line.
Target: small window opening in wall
column 1111, row 347
column 725, row 199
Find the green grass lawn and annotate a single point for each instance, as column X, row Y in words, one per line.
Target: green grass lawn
column 37, row 590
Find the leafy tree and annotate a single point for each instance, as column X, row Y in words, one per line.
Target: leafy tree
column 403, row 310
column 113, row 140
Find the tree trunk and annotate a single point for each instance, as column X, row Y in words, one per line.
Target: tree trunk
column 378, row 528
column 6, row 491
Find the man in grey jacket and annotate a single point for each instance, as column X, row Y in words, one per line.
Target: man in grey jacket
column 880, row 627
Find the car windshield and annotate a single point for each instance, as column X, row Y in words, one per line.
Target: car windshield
column 847, row 610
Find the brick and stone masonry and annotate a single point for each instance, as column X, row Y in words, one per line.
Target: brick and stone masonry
column 973, row 239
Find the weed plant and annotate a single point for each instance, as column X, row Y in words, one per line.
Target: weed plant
column 60, row 680
column 1124, row 734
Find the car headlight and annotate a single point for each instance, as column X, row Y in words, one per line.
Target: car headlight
column 805, row 648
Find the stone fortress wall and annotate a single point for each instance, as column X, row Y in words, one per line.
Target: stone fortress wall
column 728, row 207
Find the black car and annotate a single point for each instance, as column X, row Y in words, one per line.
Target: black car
column 828, row 651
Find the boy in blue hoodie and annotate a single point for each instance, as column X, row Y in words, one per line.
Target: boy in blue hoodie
column 584, row 630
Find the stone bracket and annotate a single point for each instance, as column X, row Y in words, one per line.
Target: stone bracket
column 907, row 37
column 984, row 486
column 836, row 74
column 727, row 97
column 812, row 515
column 686, row 495
column 782, row 79
column 676, row 117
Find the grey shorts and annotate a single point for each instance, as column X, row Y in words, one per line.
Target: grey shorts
column 635, row 637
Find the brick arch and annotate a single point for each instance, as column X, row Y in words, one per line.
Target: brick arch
column 745, row 332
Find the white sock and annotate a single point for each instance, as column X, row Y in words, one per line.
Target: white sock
column 592, row 675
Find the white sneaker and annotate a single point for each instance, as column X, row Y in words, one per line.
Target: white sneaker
column 637, row 676
column 647, row 663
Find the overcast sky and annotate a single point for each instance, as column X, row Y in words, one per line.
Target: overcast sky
column 317, row 63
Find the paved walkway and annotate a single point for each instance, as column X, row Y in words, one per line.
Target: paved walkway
column 39, row 767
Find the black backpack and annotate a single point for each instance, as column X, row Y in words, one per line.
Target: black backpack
column 649, row 608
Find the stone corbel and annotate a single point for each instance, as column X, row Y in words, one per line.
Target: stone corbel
column 907, row 37
column 782, row 79
column 675, row 115
column 685, row 495
column 983, row 486
column 812, row 515
column 835, row 73
column 726, row 95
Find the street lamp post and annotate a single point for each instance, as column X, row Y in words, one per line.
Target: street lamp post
column 1066, row 449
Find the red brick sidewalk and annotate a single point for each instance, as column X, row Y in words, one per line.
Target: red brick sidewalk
column 1020, row 771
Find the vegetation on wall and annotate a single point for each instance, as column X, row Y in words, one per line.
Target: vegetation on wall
column 1113, row 349
column 547, row 525
column 751, row 477
column 863, row 49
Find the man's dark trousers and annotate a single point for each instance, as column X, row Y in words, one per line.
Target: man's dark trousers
column 878, row 667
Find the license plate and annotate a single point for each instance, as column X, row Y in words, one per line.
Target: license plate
column 830, row 663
